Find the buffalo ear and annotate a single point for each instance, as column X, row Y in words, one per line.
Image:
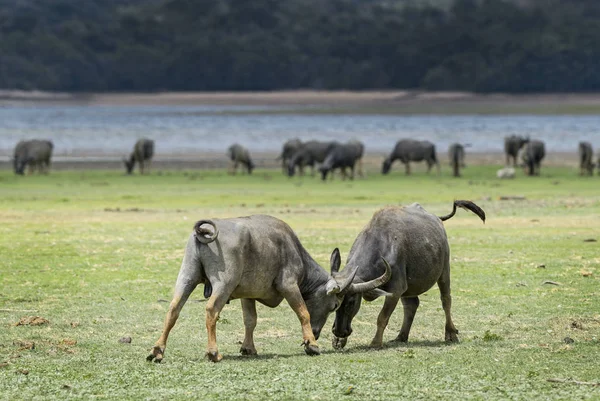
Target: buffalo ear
column 335, row 261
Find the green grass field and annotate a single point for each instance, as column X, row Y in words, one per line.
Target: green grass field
column 96, row 253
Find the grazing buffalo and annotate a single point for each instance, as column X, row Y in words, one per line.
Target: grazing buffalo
column 35, row 153
column 343, row 156
column 309, row 154
column 410, row 150
column 239, row 155
column 288, row 150
column 143, row 151
column 532, row 156
column 258, row 258
column 456, row 155
column 414, row 242
column 586, row 158
column 512, row 146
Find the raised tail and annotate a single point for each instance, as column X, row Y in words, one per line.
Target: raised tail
column 205, row 235
column 467, row 205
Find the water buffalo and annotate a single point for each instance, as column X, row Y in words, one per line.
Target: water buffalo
column 456, row 155
column 239, row 155
column 35, row 153
column 309, row 154
column 410, row 150
column 512, row 146
column 258, row 258
column 532, row 155
column 586, row 158
column 343, row 156
column 288, row 150
column 143, row 151
column 414, row 242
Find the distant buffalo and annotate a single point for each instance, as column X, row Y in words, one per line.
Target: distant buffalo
column 410, row 150
column 586, row 158
column 288, row 150
column 143, row 151
column 240, row 155
column 35, row 153
column 456, row 155
column 343, row 156
column 512, row 145
column 309, row 154
column 532, row 156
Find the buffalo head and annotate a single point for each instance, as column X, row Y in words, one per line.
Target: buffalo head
column 129, row 164
column 342, row 325
column 385, row 168
column 327, row 298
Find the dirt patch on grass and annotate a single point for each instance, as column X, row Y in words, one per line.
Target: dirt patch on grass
column 32, row 321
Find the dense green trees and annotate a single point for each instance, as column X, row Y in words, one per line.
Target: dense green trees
column 152, row 45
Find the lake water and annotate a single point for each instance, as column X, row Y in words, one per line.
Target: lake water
column 186, row 130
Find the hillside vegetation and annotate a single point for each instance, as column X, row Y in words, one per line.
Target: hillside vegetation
column 155, row 45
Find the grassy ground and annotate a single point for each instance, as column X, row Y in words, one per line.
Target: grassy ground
column 96, row 253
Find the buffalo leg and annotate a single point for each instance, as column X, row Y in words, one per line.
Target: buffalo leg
column 249, row 310
column 215, row 304
column 450, row 330
column 142, row 167
column 382, row 320
column 410, row 309
column 183, row 289
column 294, row 299
column 407, row 168
column 360, row 168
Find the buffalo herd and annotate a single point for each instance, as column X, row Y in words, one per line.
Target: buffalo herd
column 328, row 156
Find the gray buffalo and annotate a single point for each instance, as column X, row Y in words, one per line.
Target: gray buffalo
column 258, row 258
column 414, row 242
column 288, row 150
column 586, row 158
column 309, row 154
column 343, row 156
column 456, row 155
column 239, row 155
column 410, row 150
column 532, row 155
column 512, row 146
column 143, row 151
column 35, row 153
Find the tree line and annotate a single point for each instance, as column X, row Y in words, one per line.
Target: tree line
column 213, row 45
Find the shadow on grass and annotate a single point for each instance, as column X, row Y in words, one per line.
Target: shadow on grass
column 359, row 349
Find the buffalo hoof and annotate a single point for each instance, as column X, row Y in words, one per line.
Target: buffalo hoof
column 312, row 349
column 214, row 356
column 376, row 344
column 451, row 338
column 401, row 338
column 339, row 342
column 247, row 351
column 156, row 355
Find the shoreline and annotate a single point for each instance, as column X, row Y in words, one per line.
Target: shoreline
column 267, row 160
column 296, row 97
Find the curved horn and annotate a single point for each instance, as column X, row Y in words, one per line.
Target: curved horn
column 357, row 288
column 200, row 233
column 348, row 282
